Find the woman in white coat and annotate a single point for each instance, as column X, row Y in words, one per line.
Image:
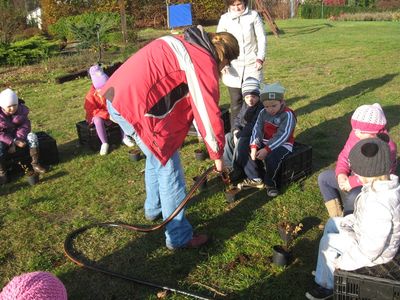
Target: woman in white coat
column 247, row 27
column 371, row 235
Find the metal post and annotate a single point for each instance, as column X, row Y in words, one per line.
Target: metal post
column 167, row 4
column 98, row 42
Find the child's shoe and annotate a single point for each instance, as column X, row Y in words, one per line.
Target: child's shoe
column 272, row 192
column 104, row 149
column 319, row 293
column 128, row 141
column 3, row 173
column 3, row 178
column 251, row 183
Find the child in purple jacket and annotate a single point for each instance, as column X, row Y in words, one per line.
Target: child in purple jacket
column 15, row 132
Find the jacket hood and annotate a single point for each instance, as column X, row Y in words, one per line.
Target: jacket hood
column 197, row 36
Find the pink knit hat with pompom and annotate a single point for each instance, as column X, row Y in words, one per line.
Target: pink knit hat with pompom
column 34, row 286
column 99, row 78
column 369, row 118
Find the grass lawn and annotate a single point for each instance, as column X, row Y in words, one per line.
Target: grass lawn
column 328, row 68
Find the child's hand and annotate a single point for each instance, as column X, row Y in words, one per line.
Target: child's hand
column 20, row 143
column 235, row 139
column 253, row 153
column 12, row 148
column 262, row 154
column 343, row 182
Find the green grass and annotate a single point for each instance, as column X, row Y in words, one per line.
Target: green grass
column 328, row 68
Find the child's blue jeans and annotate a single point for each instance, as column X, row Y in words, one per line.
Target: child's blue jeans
column 332, row 245
column 165, row 187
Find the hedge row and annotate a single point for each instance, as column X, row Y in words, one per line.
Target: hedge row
column 27, row 51
column 306, row 11
column 145, row 13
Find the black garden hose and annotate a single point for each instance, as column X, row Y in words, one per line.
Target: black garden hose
column 70, row 253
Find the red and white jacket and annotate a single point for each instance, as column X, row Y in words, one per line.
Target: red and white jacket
column 161, row 88
column 271, row 132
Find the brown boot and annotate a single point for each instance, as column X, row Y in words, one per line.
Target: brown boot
column 34, row 152
column 334, row 208
column 3, row 173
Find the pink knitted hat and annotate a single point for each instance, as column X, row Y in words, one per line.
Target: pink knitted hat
column 34, row 286
column 369, row 118
column 99, row 78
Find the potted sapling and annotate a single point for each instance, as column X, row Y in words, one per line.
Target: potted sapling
column 288, row 231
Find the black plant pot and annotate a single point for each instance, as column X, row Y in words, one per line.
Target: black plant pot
column 32, row 178
column 231, row 194
column 203, row 185
column 281, row 257
column 135, row 154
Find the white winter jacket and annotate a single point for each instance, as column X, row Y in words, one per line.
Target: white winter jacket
column 374, row 227
column 248, row 29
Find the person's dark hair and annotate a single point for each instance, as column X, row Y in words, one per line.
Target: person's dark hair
column 226, row 46
column 230, row 2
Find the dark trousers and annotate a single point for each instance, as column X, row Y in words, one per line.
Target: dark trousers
column 236, row 102
column 236, row 156
column 255, row 168
column 329, row 189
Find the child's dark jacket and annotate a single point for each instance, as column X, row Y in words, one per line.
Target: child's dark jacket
column 245, row 120
column 16, row 126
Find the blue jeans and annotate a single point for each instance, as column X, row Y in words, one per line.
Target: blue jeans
column 165, row 187
column 329, row 187
column 331, row 246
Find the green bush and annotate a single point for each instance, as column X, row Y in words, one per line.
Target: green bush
column 377, row 16
column 64, row 27
column 307, row 11
column 27, row 51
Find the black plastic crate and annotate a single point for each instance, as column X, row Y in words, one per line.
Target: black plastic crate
column 225, row 117
column 48, row 153
column 381, row 282
column 87, row 135
column 296, row 165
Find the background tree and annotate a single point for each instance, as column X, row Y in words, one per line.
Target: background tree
column 11, row 21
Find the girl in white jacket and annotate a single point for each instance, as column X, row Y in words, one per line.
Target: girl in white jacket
column 247, row 27
column 371, row 235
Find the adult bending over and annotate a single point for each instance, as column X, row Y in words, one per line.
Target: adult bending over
column 154, row 97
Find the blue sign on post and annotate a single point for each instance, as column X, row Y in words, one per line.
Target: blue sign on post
column 179, row 15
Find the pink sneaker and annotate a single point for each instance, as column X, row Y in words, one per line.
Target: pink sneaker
column 196, row 242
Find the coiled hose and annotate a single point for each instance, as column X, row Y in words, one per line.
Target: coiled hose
column 70, row 253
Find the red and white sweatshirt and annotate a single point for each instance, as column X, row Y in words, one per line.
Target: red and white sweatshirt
column 161, row 88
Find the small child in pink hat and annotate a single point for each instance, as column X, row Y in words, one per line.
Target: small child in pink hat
column 34, row 286
column 367, row 121
column 96, row 109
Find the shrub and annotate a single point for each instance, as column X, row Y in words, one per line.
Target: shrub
column 65, row 28
column 377, row 16
column 306, row 11
column 28, row 51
